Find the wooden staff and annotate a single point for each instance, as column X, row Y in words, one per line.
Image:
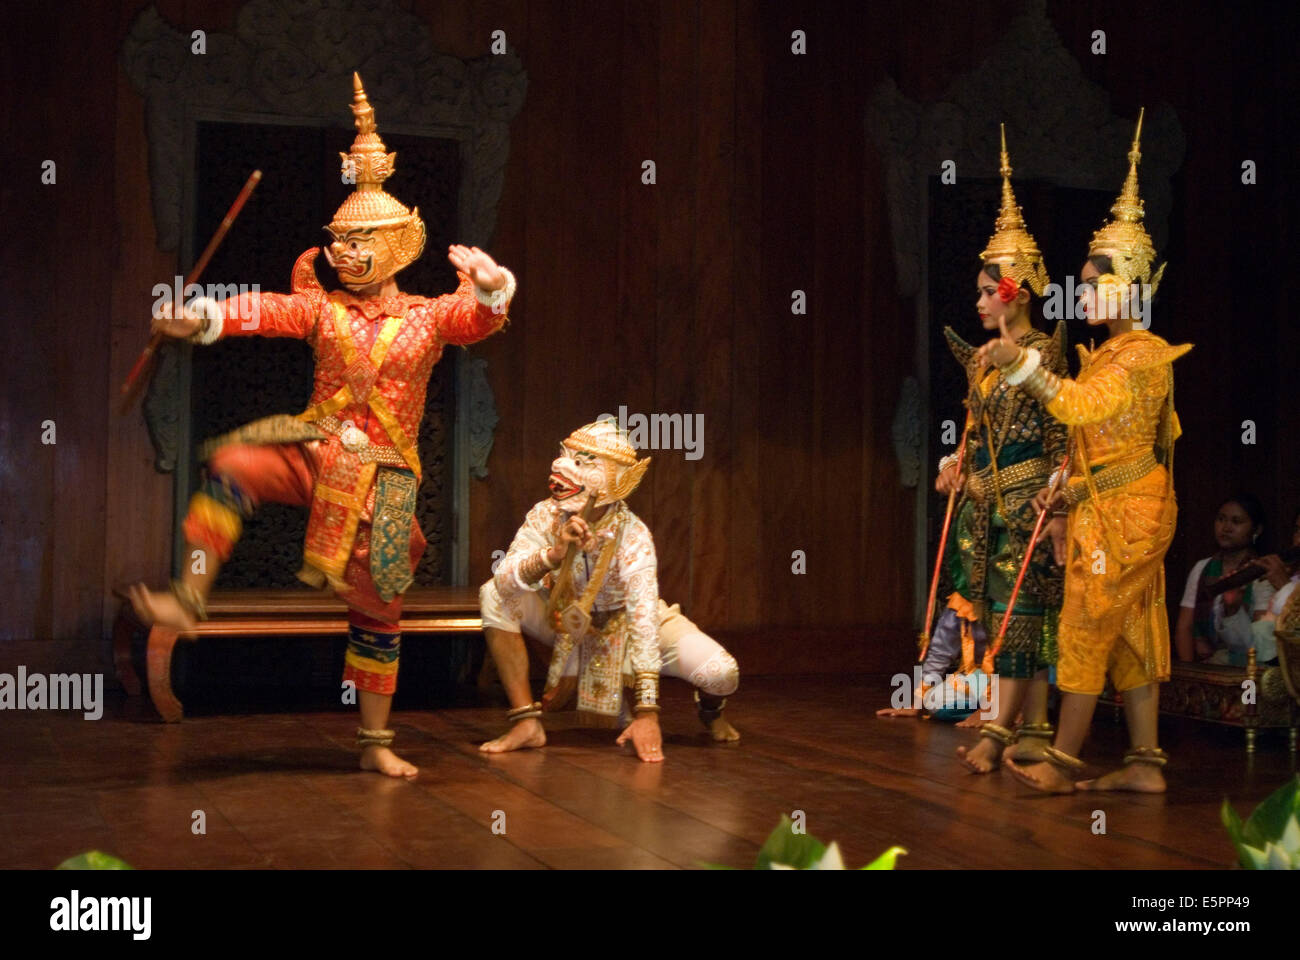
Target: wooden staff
column 1024, row 566
column 136, row 379
column 943, row 542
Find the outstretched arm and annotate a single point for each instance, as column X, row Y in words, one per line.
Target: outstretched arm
column 205, row 320
column 479, row 306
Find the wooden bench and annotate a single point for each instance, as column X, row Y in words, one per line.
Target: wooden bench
column 276, row 613
column 1213, row 693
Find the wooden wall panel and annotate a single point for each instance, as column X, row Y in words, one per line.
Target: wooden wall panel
column 666, row 298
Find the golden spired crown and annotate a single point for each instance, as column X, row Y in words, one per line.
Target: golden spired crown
column 1012, row 247
column 399, row 233
column 1124, row 239
column 623, row 471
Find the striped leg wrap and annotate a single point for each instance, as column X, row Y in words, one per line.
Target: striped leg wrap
column 372, row 656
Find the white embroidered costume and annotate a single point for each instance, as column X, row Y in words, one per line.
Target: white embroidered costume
column 607, row 624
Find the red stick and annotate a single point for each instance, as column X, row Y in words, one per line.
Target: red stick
column 136, row 379
column 1024, row 566
column 943, row 542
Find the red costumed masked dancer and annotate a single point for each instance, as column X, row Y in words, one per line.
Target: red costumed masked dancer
column 351, row 455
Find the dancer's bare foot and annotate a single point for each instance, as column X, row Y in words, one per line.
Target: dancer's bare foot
column 159, row 607
column 982, row 757
column 382, row 760
column 1135, row 777
column 1028, row 750
column 898, row 712
column 523, row 735
column 974, row 721
column 1044, row 777
column 723, row 732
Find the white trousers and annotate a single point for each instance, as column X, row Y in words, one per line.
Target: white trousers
column 686, row 651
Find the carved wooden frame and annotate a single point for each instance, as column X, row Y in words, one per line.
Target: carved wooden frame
column 286, row 63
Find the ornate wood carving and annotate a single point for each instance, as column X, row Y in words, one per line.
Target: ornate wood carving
column 295, row 61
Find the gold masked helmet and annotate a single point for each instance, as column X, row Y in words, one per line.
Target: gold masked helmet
column 1124, row 239
column 1012, row 247
column 375, row 235
column 615, row 470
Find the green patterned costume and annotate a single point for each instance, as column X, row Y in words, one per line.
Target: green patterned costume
column 995, row 515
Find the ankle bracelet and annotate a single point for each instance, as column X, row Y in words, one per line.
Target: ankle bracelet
column 709, row 714
column 190, row 599
column 1043, row 731
column 1150, row 755
column 526, row 712
column 997, row 732
column 374, row 738
column 1063, row 760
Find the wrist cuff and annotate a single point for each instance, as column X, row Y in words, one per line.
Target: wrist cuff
column 214, row 320
column 1018, row 374
column 498, row 300
column 646, row 685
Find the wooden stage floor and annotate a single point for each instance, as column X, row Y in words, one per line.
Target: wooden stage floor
column 281, row 790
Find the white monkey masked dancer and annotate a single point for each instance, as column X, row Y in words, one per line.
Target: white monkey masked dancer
column 580, row 577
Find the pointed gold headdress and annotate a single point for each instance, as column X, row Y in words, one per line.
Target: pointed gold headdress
column 623, row 471
column 399, row 233
column 1124, row 239
column 1011, row 247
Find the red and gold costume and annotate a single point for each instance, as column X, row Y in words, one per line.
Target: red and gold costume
column 351, row 457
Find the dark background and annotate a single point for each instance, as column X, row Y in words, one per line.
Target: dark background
column 678, row 295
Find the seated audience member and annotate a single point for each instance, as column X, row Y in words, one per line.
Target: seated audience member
column 1220, row 629
column 1283, row 578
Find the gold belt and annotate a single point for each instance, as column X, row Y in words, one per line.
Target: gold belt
column 981, row 487
column 1109, row 478
column 355, row 441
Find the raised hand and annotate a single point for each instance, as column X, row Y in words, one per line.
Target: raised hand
column 999, row 351
column 480, row 267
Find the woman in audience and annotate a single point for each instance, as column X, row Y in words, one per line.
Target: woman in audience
column 1219, row 629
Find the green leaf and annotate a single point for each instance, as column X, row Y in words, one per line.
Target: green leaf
column 1271, row 816
column 1233, row 823
column 94, row 860
column 784, row 846
column 887, row 860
